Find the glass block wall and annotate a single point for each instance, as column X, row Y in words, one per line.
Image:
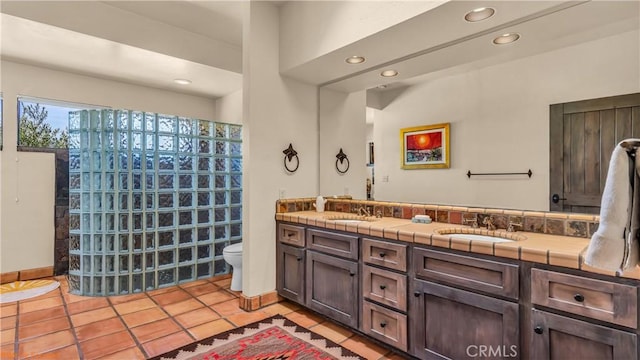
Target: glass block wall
column 153, row 199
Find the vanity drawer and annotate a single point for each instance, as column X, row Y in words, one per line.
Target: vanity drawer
column 597, row 299
column 483, row 275
column 385, row 287
column 291, row 234
column 333, row 243
column 385, row 325
column 383, row 253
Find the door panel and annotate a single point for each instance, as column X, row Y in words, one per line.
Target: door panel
column 583, row 135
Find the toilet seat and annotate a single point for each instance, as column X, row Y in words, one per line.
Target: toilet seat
column 233, row 249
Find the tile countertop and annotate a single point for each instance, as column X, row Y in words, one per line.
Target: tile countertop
column 556, row 250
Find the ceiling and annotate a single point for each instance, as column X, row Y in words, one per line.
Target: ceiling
column 152, row 43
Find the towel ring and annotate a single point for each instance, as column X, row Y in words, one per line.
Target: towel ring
column 341, row 157
column 289, row 155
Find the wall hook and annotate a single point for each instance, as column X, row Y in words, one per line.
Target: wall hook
column 289, row 155
column 341, row 157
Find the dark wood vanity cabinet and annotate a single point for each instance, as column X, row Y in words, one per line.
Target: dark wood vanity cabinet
column 290, row 270
column 556, row 337
column 332, row 276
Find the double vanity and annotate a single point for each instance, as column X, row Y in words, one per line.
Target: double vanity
column 446, row 290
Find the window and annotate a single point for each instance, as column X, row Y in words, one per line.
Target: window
column 44, row 123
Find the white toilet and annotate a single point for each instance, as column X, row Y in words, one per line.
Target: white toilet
column 232, row 254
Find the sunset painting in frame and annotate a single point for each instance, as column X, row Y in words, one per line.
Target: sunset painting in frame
column 425, row 147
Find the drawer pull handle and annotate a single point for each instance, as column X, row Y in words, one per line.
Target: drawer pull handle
column 299, row 258
column 417, row 294
column 538, row 330
column 382, row 287
column 291, row 234
column 578, row 297
column 352, row 273
column 382, row 255
column 383, row 324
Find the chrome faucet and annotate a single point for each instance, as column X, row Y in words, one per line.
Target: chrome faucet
column 512, row 225
column 474, row 222
column 363, row 211
column 489, row 222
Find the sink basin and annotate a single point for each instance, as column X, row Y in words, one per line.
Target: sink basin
column 349, row 218
column 482, row 235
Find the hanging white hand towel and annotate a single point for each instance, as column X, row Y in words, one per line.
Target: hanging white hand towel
column 611, row 246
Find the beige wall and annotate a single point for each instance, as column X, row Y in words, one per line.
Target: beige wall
column 229, row 108
column 341, row 116
column 276, row 111
column 27, row 225
column 499, row 119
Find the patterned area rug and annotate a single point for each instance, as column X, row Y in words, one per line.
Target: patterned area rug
column 270, row 339
column 20, row 290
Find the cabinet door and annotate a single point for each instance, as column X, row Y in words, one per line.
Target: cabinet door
column 557, row 337
column 449, row 323
column 290, row 272
column 332, row 287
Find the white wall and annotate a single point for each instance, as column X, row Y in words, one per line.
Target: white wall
column 27, row 225
column 499, row 119
column 229, row 108
column 276, row 111
column 310, row 29
column 343, row 125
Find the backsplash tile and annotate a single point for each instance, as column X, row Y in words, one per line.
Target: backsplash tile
column 576, row 225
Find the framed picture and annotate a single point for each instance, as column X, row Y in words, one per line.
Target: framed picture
column 425, row 147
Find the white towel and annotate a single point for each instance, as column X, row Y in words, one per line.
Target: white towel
column 609, row 249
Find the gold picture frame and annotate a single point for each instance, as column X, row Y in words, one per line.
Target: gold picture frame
column 425, row 147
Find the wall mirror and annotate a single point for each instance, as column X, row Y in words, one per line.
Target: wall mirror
column 495, row 95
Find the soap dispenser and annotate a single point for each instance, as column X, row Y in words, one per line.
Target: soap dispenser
column 319, row 205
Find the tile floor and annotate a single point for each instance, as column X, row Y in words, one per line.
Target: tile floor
column 62, row 326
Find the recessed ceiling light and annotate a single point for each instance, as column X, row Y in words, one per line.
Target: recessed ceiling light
column 182, row 81
column 506, row 38
column 355, row 59
column 479, row 14
column 389, row 73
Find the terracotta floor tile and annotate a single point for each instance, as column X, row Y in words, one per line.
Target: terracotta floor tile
column 115, row 300
column 43, row 327
column 52, row 293
column 133, row 306
column 209, row 329
column 244, row 318
column 392, row 356
column 41, row 315
column 86, row 305
column 364, row 347
column 71, row 298
column 196, row 317
column 8, row 322
column 129, row 354
column 282, row 308
column 7, row 352
column 304, row 318
column 162, row 291
column 194, row 283
column 227, row 308
column 46, row 343
column 183, row 306
column 7, row 337
column 171, row 297
column 203, row 289
column 331, row 331
column 105, row 345
column 216, row 297
column 154, row 330
column 88, row 317
column 9, row 310
column 66, row 353
column 40, row 304
column 99, row 328
column 225, row 284
column 143, row 317
column 167, row 343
